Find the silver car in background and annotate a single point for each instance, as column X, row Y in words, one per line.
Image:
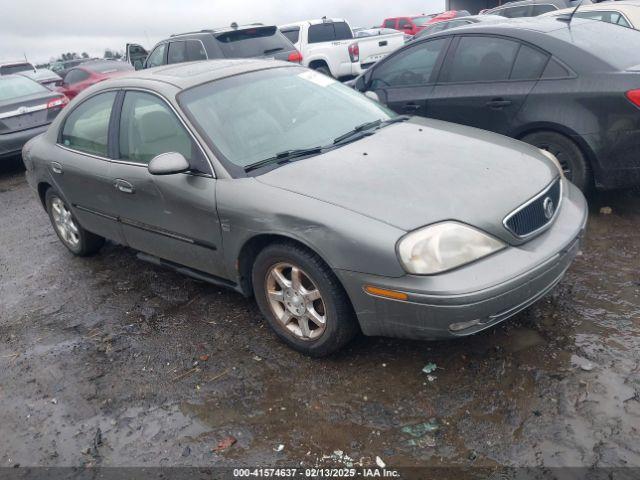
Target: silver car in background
column 338, row 215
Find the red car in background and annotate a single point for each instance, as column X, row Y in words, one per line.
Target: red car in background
column 449, row 15
column 414, row 24
column 90, row 73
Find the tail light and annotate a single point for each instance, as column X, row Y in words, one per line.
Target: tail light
column 58, row 102
column 295, row 57
column 354, row 52
column 634, row 97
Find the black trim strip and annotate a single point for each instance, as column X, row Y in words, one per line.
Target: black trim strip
column 148, row 228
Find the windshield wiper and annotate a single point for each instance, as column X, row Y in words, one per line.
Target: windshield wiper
column 398, row 119
column 283, row 157
column 357, row 131
column 272, row 50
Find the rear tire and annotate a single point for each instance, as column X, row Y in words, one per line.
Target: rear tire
column 289, row 305
column 324, row 69
column 575, row 165
column 77, row 240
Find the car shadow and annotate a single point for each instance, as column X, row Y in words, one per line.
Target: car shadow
column 11, row 165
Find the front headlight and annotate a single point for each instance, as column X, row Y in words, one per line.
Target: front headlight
column 443, row 246
column 554, row 159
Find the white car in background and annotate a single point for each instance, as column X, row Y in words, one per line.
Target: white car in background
column 625, row 13
column 329, row 46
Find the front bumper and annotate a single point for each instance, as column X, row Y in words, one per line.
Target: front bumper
column 11, row 143
column 483, row 293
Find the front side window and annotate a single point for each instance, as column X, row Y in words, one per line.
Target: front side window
column 482, row 59
column 540, row 9
column 148, row 128
column 86, row 129
column 413, row 66
column 156, row 58
column 251, row 117
column 293, row 34
column 513, row 12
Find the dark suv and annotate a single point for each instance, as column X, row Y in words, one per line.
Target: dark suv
column 249, row 41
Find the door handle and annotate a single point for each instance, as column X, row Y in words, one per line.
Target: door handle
column 384, row 43
column 123, row 186
column 56, row 168
column 411, row 107
column 498, row 103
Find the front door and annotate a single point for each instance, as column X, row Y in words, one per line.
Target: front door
column 80, row 166
column 485, row 81
column 404, row 81
column 173, row 217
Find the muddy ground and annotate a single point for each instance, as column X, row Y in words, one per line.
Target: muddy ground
column 110, row 344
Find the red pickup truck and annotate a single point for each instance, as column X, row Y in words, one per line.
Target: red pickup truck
column 414, row 24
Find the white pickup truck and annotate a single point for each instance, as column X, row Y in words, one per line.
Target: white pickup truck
column 329, row 46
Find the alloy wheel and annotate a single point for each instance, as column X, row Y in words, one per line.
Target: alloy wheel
column 64, row 223
column 296, row 301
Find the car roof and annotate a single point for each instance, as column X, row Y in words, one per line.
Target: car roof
column 232, row 28
column 513, row 25
column 315, row 21
column 517, row 3
column 186, row 75
column 621, row 5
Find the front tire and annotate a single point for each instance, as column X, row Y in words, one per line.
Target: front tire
column 575, row 165
column 302, row 300
column 77, row 240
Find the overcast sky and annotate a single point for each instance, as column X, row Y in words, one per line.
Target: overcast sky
column 42, row 29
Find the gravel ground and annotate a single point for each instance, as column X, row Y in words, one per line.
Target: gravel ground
column 111, row 361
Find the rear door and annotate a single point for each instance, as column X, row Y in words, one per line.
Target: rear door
column 80, row 165
column 485, row 81
column 172, row 217
column 404, row 81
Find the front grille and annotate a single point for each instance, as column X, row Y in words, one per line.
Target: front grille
column 536, row 213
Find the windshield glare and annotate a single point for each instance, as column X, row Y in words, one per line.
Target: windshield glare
column 254, row 116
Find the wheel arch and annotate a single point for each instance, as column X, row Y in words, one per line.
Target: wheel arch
column 253, row 246
column 42, row 193
column 319, row 62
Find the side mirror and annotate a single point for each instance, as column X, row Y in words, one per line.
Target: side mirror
column 372, row 95
column 168, row 164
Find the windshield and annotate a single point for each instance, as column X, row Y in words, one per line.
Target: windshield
column 15, row 87
column 17, row 68
column 421, row 20
column 253, row 42
column 257, row 115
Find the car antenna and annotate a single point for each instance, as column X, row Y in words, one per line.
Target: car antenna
column 27, row 61
column 570, row 17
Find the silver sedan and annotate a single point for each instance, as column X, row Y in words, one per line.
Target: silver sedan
column 338, row 215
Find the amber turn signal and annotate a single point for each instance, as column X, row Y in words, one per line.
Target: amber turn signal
column 383, row 292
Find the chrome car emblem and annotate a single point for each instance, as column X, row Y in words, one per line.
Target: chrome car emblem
column 22, row 110
column 548, row 207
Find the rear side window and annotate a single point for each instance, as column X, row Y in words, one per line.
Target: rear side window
column 292, row 34
column 529, row 64
column 555, row 69
column 329, row 32
column 481, row 59
column 156, row 58
column 540, row 9
column 252, row 42
column 404, row 23
column 605, row 16
column 413, row 66
column 86, row 129
column 177, row 52
column 195, row 51
column 390, row 23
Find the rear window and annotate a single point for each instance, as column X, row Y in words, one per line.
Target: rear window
column 329, row 32
column 15, row 87
column 9, row 69
column 292, row 34
column 252, row 42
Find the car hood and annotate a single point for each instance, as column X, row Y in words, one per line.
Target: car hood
column 423, row 171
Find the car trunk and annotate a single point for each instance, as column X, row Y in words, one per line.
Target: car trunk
column 258, row 42
column 28, row 112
